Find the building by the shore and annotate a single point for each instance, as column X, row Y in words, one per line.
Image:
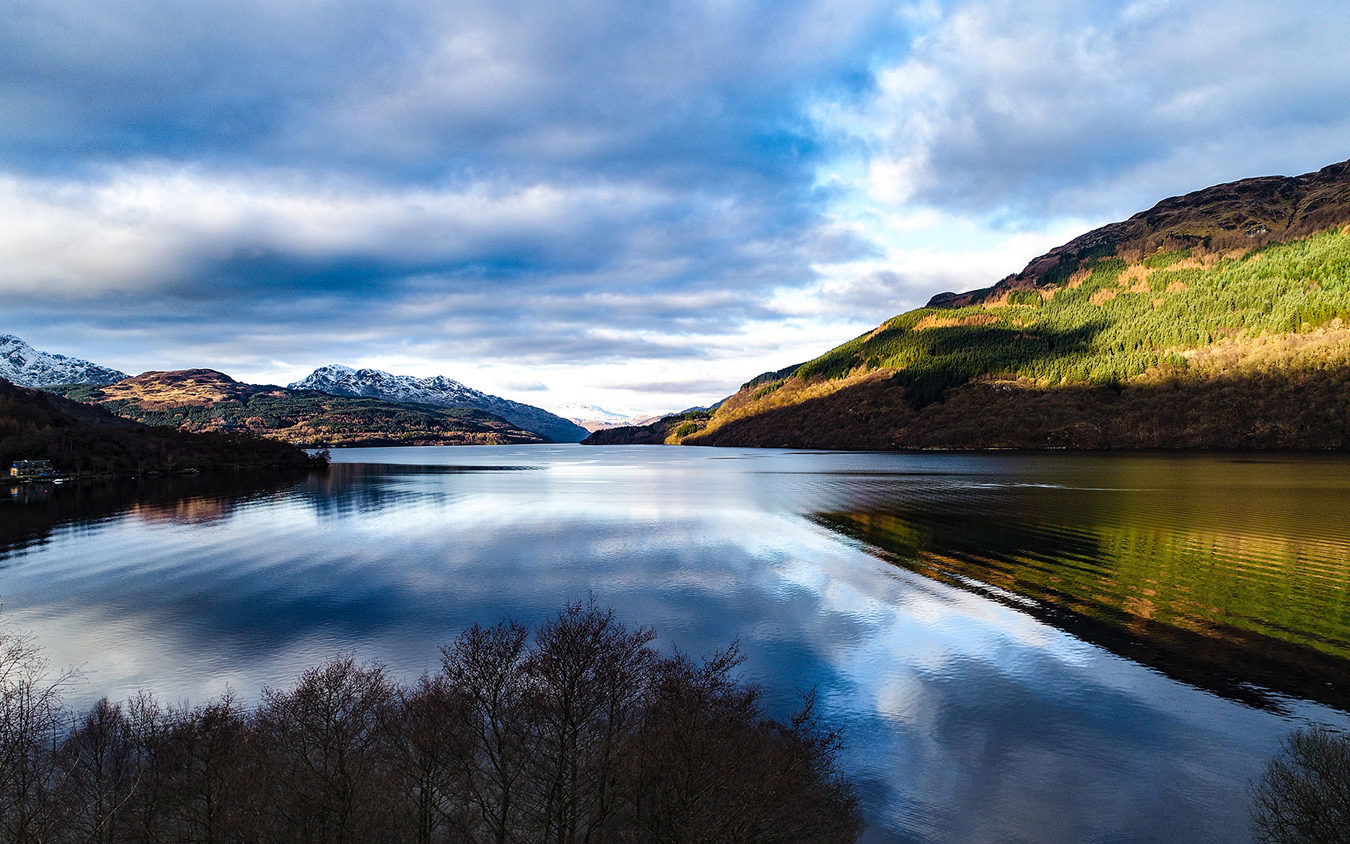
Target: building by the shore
column 32, row 469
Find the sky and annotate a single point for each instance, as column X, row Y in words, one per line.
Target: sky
column 638, row 205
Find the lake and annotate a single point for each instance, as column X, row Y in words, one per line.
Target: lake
column 1044, row 647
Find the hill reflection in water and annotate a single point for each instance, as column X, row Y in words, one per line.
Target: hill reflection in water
column 1231, row 576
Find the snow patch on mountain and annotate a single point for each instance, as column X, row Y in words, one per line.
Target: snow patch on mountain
column 592, row 417
column 21, row 364
column 440, row 391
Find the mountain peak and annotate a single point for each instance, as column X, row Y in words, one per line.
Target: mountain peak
column 21, row 364
column 438, row 390
column 336, row 369
column 180, row 375
column 1241, row 215
column 594, row 418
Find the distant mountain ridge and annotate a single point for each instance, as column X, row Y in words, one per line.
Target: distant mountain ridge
column 437, row 391
column 207, row 400
column 25, row 366
column 334, row 404
column 595, row 418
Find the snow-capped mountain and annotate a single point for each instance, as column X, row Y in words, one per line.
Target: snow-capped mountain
column 340, row 380
column 21, row 364
column 592, row 417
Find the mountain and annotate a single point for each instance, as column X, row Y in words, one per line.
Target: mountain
column 1218, row 319
column 207, row 400
column 439, row 391
column 77, row 438
column 25, row 366
column 1239, row 216
column 594, row 418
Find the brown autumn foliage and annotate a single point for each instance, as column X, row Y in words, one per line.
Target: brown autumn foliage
column 581, row 732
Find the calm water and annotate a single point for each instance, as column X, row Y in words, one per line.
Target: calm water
column 1048, row 648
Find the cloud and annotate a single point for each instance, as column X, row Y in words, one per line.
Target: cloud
column 566, row 182
column 1019, row 111
column 690, row 385
column 82, row 81
column 525, row 386
column 192, row 266
column 161, row 226
column 418, row 89
column 573, row 185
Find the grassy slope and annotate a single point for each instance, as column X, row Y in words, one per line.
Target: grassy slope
column 1178, row 348
column 205, row 400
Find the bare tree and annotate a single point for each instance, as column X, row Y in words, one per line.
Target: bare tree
column 590, row 678
column 149, row 810
column 1304, row 795
column 101, row 772
column 709, row 765
column 324, row 752
column 208, row 784
column 583, row 734
column 433, row 746
column 32, row 722
column 487, row 664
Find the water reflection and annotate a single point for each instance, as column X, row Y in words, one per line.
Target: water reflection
column 1017, row 647
column 1229, row 576
column 33, row 510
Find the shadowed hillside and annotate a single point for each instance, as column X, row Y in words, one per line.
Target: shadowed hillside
column 78, row 438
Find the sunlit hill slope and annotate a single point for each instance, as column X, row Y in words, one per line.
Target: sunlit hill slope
column 1219, row 319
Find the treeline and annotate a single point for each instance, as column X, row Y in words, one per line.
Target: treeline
column 581, row 732
column 89, row 440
